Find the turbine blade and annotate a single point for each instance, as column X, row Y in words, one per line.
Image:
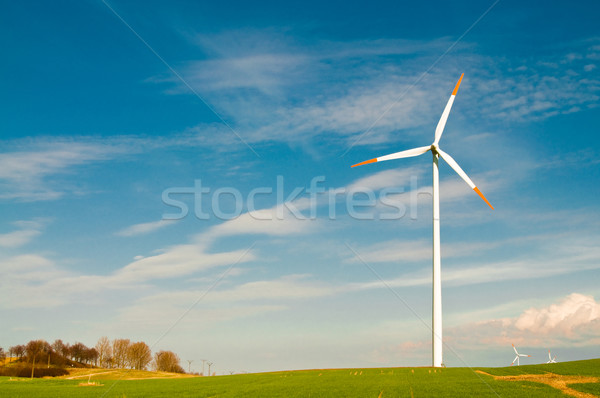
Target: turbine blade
column 398, row 155
column 442, row 123
column 515, row 348
column 365, row 162
column 463, row 175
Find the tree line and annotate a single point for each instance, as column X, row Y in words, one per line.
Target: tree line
column 118, row 353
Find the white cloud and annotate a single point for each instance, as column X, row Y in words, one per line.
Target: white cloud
column 23, row 281
column 29, row 169
column 284, row 219
column 573, row 321
column 144, row 228
column 26, row 232
column 386, row 179
column 180, row 260
column 30, row 165
column 543, row 259
column 288, row 287
column 563, row 319
column 403, row 251
column 24, row 171
column 263, row 72
column 228, row 303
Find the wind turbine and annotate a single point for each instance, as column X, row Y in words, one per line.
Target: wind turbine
column 518, row 356
column 550, row 359
column 437, row 153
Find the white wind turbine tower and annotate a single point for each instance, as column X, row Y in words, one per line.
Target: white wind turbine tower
column 437, row 153
column 518, row 356
column 550, row 359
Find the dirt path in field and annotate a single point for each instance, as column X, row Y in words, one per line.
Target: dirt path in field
column 560, row 382
column 89, row 374
column 122, row 374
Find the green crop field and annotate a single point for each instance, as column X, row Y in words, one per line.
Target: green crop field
column 386, row 382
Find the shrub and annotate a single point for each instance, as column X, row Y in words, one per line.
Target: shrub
column 39, row 372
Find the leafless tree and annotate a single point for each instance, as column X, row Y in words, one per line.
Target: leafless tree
column 2, row 356
column 79, row 352
column 34, row 348
column 48, row 351
column 18, row 350
column 90, row 356
column 119, row 349
column 104, row 351
column 139, row 355
column 167, row 361
column 61, row 348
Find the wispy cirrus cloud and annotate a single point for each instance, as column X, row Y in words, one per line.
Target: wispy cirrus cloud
column 25, row 232
column 402, row 251
column 191, row 258
column 277, row 89
column 542, row 259
column 144, row 228
column 43, row 168
column 26, row 167
column 240, row 301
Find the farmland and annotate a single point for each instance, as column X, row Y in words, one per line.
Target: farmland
column 530, row 380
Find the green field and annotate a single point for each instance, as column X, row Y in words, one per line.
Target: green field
column 386, row 382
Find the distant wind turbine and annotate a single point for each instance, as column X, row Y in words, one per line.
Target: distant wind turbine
column 518, row 356
column 437, row 278
column 550, row 359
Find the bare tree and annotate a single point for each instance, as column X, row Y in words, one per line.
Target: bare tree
column 139, row 355
column 119, row 349
column 78, row 352
column 18, row 350
column 91, row 356
column 167, row 361
column 104, row 350
column 61, row 348
column 2, row 356
column 34, row 348
column 48, row 351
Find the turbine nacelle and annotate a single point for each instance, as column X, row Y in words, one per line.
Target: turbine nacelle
column 434, row 148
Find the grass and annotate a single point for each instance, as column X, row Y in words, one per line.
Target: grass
column 590, row 367
column 382, row 383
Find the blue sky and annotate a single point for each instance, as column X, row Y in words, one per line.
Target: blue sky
column 109, row 108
